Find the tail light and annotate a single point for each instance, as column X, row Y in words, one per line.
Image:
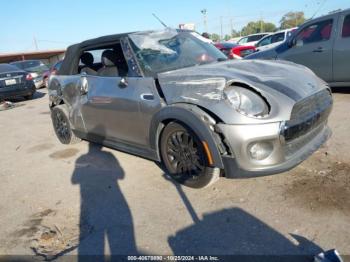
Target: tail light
column 29, row 76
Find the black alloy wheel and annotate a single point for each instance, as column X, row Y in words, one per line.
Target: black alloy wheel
column 184, row 157
column 61, row 125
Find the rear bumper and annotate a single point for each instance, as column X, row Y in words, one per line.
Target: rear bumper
column 283, row 157
column 15, row 91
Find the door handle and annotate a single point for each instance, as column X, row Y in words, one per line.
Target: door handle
column 318, row 50
column 148, row 97
column 123, row 83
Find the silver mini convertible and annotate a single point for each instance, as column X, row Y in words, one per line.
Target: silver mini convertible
column 170, row 96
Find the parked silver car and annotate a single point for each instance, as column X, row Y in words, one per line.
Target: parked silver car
column 321, row 44
column 173, row 98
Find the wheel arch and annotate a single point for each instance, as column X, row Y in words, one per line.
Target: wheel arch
column 199, row 121
column 55, row 93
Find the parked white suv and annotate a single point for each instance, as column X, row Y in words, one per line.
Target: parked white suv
column 251, row 40
column 275, row 39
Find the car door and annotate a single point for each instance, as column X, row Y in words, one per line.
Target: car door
column 312, row 47
column 341, row 50
column 111, row 108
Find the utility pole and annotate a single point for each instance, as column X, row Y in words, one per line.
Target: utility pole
column 35, row 43
column 231, row 26
column 204, row 13
column 221, row 32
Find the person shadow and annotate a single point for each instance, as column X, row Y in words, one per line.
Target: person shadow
column 104, row 212
column 233, row 231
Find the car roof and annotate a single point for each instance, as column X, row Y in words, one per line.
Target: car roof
column 116, row 37
column 102, row 39
column 285, row 30
column 21, row 61
column 330, row 14
column 264, row 33
column 9, row 68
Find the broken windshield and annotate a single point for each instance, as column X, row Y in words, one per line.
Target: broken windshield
column 167, row 50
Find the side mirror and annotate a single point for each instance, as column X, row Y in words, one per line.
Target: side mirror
column 123, row 83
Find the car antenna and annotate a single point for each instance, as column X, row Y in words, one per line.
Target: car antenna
column 319, row 8
column 160, row 21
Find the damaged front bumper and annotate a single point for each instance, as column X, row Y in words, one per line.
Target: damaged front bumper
column 262, row 149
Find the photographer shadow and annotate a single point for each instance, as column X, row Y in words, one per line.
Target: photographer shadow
column 233, row 231
column 105, row 216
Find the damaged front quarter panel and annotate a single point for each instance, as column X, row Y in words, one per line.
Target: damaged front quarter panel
column 274, row 82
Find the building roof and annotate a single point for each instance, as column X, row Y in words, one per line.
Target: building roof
column 46, row 54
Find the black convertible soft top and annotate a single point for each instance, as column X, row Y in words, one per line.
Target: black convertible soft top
column 73, row 52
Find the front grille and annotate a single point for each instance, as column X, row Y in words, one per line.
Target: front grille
column 311, row 105
column 293, row 146
column 294, row 130
column 308, row 118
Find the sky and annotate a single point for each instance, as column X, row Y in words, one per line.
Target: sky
column 57, row 24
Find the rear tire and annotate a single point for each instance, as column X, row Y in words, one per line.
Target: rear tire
column 29, row 97
column 184, row 157
column 61, row 125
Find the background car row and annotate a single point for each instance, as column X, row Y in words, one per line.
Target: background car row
column 254, row 43
column 22, row 78
column 321, row 44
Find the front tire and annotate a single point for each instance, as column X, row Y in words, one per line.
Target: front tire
column 61, row 125
column 184, row 157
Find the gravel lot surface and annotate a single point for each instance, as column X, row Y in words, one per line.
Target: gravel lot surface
column 57, row 199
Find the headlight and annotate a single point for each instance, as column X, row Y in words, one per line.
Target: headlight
column 246, row 102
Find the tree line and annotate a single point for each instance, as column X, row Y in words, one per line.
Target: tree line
column 289, row 20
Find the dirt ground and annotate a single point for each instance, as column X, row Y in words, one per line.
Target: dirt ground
column 84, row 199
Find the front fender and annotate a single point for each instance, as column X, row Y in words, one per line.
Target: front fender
column 193, row 117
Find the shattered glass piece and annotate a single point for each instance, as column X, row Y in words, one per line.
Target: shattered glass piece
column 151, row 40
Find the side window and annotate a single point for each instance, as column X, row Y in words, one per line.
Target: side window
column 277, row 37
column 346, row 27
column 254, row 38
column 243, row 40
column 320, row 31
column 265, row 41
column 108, row 61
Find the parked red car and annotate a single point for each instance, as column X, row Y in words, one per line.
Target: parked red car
column 232, row 49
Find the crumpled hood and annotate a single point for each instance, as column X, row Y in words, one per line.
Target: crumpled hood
column 278, row 81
